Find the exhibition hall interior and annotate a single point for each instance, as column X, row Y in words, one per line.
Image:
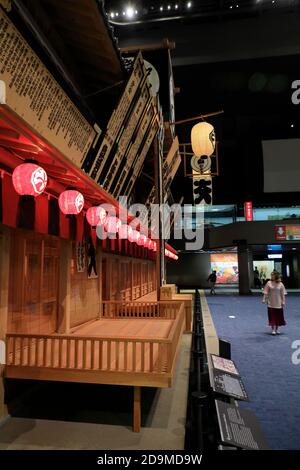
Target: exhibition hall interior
column 149, row 225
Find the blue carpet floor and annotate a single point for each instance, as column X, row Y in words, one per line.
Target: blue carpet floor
column 265, row 362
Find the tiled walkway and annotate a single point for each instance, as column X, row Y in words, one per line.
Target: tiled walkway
column 265, row 362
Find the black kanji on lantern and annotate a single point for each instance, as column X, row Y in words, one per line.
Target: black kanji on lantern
column 202, row 191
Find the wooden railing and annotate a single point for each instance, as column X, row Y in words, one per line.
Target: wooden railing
column 163, row 309
column 87, row 353
column 70, row 352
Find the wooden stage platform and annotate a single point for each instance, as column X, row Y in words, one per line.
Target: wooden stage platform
column 131, row 344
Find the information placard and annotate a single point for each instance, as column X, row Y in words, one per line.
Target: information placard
column 240, row 427
column 223, row 364
column 228, row 384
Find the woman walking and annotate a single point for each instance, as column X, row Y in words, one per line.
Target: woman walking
column 275, row 293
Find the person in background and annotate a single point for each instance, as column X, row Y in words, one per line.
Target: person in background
column 257, row 281
column 274, row 291
column 212, row 279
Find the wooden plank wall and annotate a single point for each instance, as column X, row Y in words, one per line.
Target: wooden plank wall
column 85, row 293
column 47, row 292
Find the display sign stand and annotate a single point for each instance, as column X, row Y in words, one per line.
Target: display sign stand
column 229, row 385
column 239, row 427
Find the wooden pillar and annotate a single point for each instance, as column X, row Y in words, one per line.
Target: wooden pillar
column 4, row 286
column 137, row 409
column 132, row 279
column 64, row 295
column 100, row 274
column 160, row 253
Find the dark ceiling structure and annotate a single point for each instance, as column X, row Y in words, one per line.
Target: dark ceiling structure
column 243, row 60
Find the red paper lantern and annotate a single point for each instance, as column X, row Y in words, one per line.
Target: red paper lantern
column 131, row 235
column 96, row 215
column 125, row 232
column 112, row 224
column 29, row 179
column 142, row 240
column 135, row 236
column 71, row 202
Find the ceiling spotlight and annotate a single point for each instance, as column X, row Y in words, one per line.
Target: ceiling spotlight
column 161, row 8
column 189, row 4
column 231, row 7
column 176, row 7
column 236, row 6
column 169, row 7
column 117, row 14
column 136, row 12
column 123, row 13
column 130, row 12
column 112, row 15
column 292, row 125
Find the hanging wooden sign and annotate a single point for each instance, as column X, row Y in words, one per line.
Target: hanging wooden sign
column 34, row 96
column 118, row 121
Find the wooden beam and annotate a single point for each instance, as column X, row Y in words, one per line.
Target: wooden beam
column 196, row 118
column 165, row 44
column 137, row 409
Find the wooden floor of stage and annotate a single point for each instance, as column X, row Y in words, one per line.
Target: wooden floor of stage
column 126, row 328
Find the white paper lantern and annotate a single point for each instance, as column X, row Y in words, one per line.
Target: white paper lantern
column 153, row 78
column 203, row 139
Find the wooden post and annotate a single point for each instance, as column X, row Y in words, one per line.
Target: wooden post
column 100, row 277
column 160, row 253
column 4, row 289
column 137, row 409
column 64, row 304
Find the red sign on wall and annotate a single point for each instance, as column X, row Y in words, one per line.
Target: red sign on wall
column 248, row 211
column 287, row 232
column 280, row 231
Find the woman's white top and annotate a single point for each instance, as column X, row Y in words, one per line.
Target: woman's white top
column 275, row 292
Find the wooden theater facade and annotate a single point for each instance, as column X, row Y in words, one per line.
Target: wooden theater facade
column 74, row 307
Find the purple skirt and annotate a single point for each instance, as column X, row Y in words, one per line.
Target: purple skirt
column 276, row 317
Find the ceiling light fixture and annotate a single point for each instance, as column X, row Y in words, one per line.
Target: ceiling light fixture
column 130, row 12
